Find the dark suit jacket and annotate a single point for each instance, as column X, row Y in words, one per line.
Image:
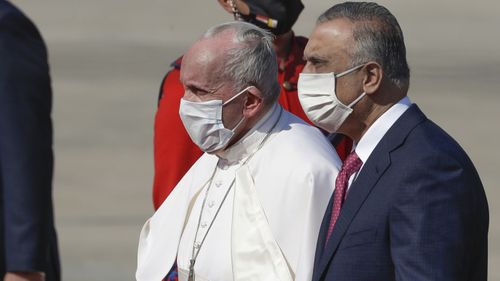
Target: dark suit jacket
column 27, row 237
column 417, row 211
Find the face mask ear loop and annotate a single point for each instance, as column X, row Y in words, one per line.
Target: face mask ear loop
column 239, row 123
column 237, row 95
column 231, row 99
column 349, row 71
column 356, row 100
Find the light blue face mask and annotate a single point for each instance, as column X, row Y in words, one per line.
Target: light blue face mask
column 203, row 122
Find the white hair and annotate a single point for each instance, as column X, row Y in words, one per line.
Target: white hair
column 252, row 62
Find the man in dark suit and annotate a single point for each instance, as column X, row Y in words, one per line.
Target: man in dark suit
column 408, row 203
column 28, row 243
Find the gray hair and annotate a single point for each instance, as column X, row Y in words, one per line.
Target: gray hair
column 377, row 37
column 253, row 62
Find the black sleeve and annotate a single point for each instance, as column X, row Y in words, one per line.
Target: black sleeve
column 26, row 159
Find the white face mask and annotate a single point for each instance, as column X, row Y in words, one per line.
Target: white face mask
column 320, row 103
column 203, row 122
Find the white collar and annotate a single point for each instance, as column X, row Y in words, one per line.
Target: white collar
column 379, row 128
column 250, row 141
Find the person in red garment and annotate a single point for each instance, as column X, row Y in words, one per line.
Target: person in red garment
column 174, row 152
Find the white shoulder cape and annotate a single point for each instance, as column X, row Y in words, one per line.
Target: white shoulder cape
column 281, row 195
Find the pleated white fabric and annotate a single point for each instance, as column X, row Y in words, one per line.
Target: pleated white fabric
column 255, row 253
column 279, row 200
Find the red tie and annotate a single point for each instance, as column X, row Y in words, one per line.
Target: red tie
column 350, row 166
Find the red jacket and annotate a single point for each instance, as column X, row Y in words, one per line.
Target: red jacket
column 174, row 152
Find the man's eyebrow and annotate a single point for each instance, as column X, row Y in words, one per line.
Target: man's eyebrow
column 315, row 58
column 196, row 87
column 215, row 88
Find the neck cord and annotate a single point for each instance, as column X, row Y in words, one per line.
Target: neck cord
column 196, row 246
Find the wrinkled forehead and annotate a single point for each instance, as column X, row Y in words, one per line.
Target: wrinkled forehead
column 211, row 49
column 204, row 61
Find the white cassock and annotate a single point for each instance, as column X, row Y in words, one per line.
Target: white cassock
column 276, row 181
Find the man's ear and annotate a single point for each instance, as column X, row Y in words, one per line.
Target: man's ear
column 373, row 77
column 253, row 103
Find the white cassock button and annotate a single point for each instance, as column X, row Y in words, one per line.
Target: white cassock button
column 204, row 224
column 218, row 183
column 211, row 204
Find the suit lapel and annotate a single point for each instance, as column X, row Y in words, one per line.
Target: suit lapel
column 376, row 165
column 320, row 246
column 358, row 192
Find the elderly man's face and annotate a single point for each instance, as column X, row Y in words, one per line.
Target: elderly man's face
column 200, row 75
column 329, row 50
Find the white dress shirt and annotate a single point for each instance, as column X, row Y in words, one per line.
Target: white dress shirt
column 377, row 131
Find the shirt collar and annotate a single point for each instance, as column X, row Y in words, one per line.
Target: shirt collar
column 249, row 143
column 379, row 128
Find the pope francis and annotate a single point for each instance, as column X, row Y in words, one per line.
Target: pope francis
column 250, row 208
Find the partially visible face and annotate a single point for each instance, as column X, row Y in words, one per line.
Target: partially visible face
column 240, row 5
column 329, row 50
column 200, row 71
